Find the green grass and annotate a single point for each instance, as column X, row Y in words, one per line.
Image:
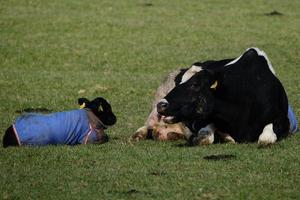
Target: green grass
column 52, row 52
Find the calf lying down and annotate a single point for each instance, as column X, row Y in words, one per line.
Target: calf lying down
column 81, row 126
column 155, row 127
column 241, row 97
column 158, row 127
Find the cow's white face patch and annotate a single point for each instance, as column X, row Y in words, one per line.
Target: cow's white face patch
column 190, row 72
column 163, row 101
column 267, row 136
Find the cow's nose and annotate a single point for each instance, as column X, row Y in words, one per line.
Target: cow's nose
column 162, row 106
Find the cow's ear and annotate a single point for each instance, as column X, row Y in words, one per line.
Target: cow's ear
column 214, row 75
column 214, row 85
column 83, row 102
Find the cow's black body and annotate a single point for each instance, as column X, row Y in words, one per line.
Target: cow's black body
column 248, row 97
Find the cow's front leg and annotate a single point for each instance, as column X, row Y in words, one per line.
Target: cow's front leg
column 204, row 136
column 225, row 137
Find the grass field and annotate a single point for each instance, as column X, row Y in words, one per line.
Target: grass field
column 52, row 52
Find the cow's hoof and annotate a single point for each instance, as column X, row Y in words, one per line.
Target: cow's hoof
column 136, row 137
column 229, row 139
column 140, row 134
column 267, row 141
column 205, row 137
column 202, row 138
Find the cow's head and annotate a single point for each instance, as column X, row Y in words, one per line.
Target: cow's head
column 190, row 100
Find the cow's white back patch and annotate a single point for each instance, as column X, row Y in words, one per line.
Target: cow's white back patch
column 263, row 54
column 267, row 136
column 260, row 53
column 234, row 61
column 190, row 72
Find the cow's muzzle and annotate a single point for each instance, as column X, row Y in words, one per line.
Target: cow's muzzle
column 162, row 107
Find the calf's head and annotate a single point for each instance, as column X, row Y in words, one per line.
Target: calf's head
column 193, row 99
column 101, row 108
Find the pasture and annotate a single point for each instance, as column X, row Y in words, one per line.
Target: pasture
column 53, row 52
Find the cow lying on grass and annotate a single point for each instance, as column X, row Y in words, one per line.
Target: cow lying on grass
column 81, row 126
column 240, row 97
column 155, row 126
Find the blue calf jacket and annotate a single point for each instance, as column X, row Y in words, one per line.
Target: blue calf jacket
column 70, row 127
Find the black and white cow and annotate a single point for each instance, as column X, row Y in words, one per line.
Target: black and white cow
column 155, row 126
column 241, row 97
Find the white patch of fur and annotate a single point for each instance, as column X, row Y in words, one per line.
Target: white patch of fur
column 263, row 54
column 190, row 72
column 210, row 138
column 260, row 53
column 234, row 61
column 229, row 139
column 163, row 101
column 267, row 136
column 209, row 131
column 206, row 135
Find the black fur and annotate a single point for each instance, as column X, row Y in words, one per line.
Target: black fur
column 101, row 108
column 178, row 77
column 9, row 138
column 247, row 98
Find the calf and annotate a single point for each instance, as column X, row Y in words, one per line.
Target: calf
column 240, row 97
column 81, row 126
column 155, row 127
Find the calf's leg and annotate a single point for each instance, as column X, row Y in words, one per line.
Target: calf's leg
column 9, row 138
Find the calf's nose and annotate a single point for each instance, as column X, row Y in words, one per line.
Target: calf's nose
column 162, row 106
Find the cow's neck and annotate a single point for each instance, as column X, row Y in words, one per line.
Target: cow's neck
column 225, row 111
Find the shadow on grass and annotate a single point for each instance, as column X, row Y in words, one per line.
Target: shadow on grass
column 182, row 145
column 222, row 157
column 35, row 110
column 273, row 13
column 147, row 4
column 130, row 192
column 158, row 173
